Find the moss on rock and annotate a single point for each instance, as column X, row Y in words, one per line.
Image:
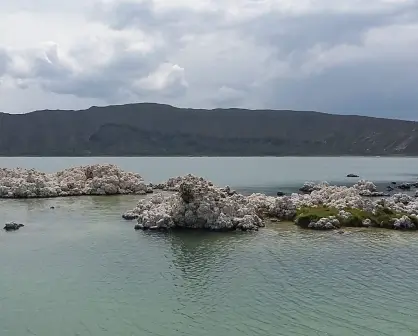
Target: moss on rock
column 383, row 218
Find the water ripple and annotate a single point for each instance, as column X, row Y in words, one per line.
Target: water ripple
column 80, row 270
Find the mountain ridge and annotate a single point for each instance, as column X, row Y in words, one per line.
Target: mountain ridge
column 152, row 129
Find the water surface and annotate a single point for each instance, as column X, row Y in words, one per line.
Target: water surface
column 79, row 269
column 266, row 174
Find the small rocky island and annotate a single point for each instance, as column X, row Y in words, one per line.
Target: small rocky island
column 97, row 179
column 191, row 202
column 198, row 204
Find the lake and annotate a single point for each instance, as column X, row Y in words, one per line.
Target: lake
column 79, row 269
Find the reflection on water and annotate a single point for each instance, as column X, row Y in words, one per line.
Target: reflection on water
column 79, row 269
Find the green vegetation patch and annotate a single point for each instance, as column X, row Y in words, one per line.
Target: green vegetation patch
column 383, row 218
column 306, row 215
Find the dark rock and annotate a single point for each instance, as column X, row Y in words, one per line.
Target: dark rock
column 374, row 194
column 130, row 216
column 352, row 175
column 12, row 226
column 229, row 191
column 186, row 192
column 280, row 193
column 393, row 182
column 306, row 189
column 52, row 207
column 138, row 227
column 404, row 186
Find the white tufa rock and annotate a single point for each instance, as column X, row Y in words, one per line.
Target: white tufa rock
column 98, row 179
column 173, row 184
column 198, row 205
column 403, row 223
column 367, row 222
column 345, row 215
column 326, row 223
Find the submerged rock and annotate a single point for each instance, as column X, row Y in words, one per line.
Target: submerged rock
column 12, row 226
column 405, row 186
column 98, row 179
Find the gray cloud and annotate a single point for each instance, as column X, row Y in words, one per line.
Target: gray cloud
column 338, row 56
column 292, row 34
column 385, row 89
column 4, row 61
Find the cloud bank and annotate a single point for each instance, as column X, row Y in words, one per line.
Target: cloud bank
column 340, row 56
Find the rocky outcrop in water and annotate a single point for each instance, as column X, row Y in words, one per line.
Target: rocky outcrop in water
column 12, row 226
column 97, row 179
column 197, row 205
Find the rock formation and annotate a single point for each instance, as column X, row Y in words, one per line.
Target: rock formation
column 197, row 205
column 12, row 226
column 98, row 179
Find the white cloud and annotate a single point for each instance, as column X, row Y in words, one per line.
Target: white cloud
column 331, row 55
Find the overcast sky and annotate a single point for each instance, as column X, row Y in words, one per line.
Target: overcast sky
column 338, row 56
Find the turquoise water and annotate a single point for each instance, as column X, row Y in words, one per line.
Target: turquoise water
column 265, row 174
column 79, row 269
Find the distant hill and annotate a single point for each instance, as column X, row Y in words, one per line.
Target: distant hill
column 162, row 130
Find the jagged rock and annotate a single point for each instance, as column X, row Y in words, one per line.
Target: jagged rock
column 328, row 223
column 367, row 193
column 308, row 187
column 173, row 184
column 367, row 222
column 404, row 186
column 130, row 216
column 198, row 205
column 364, row 185
column 403, row 223
column 12, row 226
column 228, row 191
column 98, row 179
column 345, row 215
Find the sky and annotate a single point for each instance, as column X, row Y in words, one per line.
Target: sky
column 336, row 56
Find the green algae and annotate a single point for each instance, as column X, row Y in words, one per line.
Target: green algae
column 383, row 218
